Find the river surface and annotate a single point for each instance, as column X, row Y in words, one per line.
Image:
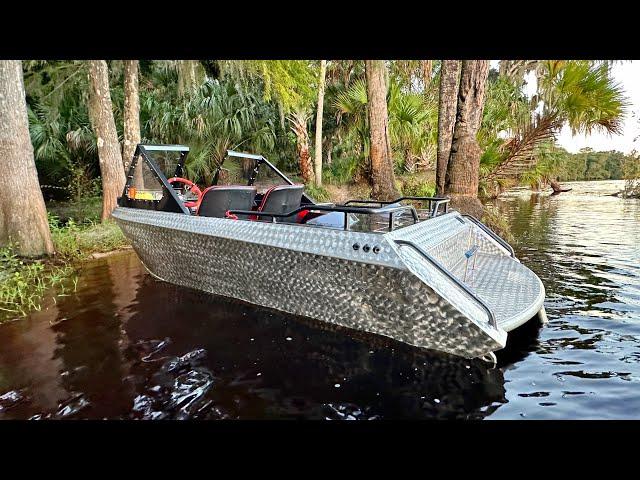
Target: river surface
column 124, row 345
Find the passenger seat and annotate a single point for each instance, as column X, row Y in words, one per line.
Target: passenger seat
column 281, row 199
column 217, row 200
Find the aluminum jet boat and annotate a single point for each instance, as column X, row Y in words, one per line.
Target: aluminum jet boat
column 411, row 269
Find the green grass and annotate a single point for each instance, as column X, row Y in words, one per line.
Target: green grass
column 340, row 172
column 73, row 241
column 417, row 186
column 23, row 282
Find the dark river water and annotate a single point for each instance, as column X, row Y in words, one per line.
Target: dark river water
column 125, row 345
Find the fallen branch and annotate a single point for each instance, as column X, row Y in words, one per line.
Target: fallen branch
column 557, row 188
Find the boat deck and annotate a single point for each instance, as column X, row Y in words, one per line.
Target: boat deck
column 469, row 259
column 513, row 292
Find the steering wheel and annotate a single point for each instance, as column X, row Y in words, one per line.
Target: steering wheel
column 189, row 186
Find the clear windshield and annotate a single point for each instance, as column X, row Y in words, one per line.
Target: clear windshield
column 238, row 171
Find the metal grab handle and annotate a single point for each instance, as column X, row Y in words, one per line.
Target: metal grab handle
column 489, row 232
column 442, row 269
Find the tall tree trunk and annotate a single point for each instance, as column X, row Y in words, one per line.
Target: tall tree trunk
column 104, row 128
column 131, row 119
column 304, row 157
column 187, row 80
column 448, row 101
column 383, row 180
column 427, row 69
column 23, row 215
column 504, row 66
column 463, row 170
column 318, row 147
column 299, row 126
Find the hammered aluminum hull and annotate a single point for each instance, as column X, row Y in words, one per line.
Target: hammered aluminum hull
column 311, row 272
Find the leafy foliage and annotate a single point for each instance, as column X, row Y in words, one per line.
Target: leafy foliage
column 291, row 83
column 22, row 283
column 515, row 129
column 631, row 172
column 215, row 105
column 64, row 145
column 217, row 117
column 412, row 122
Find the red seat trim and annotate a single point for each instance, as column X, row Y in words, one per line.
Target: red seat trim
column 301, row 215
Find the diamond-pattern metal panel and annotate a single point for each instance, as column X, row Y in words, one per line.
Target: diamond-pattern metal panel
column 307, row 271
column 512, row 290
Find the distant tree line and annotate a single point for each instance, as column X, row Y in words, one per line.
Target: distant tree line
column 591, row 165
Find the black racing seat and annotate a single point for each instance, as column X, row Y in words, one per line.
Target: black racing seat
column 281, row 199
column 217, row 200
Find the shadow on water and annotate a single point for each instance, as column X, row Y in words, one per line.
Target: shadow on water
column 125, row 345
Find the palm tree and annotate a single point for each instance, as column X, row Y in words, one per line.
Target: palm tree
column 383, row 180
column 463, row 169
column 63, row 141
column 291, row 83
column 104, row 127
column 216, row 117
column 412, row 122
column 448, row 100
column 299, row 119
column 411, row 126
column 577, row 93
column 23, row 216
column 319, row 112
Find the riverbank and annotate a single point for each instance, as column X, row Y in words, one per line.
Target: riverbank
column 77, row 235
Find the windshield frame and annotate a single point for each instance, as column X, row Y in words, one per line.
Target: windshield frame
column 170, row 201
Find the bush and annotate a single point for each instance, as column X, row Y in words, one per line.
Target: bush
column 418, row 187
column 319, row 194
column 631, row 170
column 341, row 171
column 72, row 241
column 84, row 210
